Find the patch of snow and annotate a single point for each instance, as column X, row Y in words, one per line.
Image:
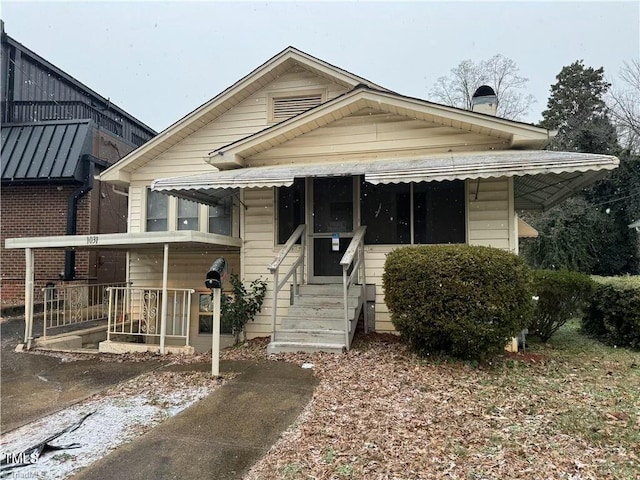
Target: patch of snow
column 117, row 420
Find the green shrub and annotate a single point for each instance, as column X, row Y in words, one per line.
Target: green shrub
column 237, row 309
column 613, row 314
column 561, row 295
column 461, row 300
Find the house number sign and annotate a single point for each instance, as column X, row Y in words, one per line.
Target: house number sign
column 92, row 240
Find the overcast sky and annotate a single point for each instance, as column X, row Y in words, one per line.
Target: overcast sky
column 161, row 60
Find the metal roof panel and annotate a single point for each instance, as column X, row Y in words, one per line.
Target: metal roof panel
column 45, row 150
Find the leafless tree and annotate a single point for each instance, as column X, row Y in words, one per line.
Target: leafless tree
column 624, row 102
column 499, row 72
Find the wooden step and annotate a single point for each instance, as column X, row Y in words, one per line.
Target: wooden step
column 294, row 347
column 325, row 301
column 307, row 335
column 291, row 322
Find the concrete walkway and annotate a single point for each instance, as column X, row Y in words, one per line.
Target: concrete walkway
column 221, row 436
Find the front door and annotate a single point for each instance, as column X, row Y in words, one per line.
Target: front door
column 332, row 217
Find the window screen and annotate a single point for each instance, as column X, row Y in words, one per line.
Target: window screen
column 187, row 215
column 290, row 209
column 157, row 209
column 386, row 211
column 438, row 209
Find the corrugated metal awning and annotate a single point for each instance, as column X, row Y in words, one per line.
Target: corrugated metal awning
column 540, row 175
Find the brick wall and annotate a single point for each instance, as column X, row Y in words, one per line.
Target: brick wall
column 32, row 211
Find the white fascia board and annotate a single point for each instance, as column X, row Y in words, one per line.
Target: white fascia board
column 121, row 240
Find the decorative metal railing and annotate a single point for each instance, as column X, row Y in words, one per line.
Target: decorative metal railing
column 274, row 268
column 353, row 259
column 138, row 311
column 66, row 305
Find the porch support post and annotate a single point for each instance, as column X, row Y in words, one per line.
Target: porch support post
column 28, row 297
column 163, row 313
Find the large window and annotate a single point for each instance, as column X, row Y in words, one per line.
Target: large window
column 438, row 211
column 187, row 214
column 386, row 211
column 290, row 209
column 157, row 211
column 220, row 217
column 435, row 210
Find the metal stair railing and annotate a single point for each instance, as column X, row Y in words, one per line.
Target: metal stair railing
column 274, row 268
column 353, row 256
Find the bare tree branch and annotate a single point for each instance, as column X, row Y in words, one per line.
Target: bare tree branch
column 499, row 72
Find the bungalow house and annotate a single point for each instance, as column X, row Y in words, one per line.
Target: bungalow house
column 306, row 175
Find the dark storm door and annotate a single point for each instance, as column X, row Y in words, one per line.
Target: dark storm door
column 332, row 220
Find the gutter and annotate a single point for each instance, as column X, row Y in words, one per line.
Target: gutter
column 72, row 213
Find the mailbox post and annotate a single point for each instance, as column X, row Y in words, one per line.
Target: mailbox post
column 215, row 278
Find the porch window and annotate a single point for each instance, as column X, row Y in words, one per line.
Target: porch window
column 290, row 209
column 157, row 211
column 220, row 217
column 386, row 211
column 187, row 214
column 438, row 210
column 205, row 317
column 416, row 213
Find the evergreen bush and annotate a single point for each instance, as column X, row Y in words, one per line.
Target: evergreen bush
column 561, row 295
column 613, row 313
column 462, row 300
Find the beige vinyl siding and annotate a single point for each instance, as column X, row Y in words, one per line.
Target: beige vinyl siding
column 375, row 256
column 249, row 116
column 186, row 270
column 259, row 251
column 371, row 134
column 490, row 213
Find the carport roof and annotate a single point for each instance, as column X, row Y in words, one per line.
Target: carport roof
column 126, row 241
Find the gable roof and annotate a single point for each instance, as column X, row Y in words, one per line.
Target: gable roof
column 520, row 135
column 227, row 99
column 45, row 151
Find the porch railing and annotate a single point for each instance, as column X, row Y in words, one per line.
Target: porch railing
column 353, row 259
column 66, row 305
column 138, row 311
column 274, row 268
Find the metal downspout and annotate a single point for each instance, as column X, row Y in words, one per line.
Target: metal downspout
column 72, row 217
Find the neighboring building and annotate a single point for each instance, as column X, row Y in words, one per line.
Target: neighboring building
column 303, row 157
column 56, row 135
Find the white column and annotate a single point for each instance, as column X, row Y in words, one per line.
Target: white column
column 163, row 314
column 28, row 297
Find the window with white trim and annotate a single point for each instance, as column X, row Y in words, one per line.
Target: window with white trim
column 157, row 211
column 187, row 214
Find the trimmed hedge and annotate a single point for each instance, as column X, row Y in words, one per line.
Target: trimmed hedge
column 613, row 314
column 561, row 296
column 460, row 300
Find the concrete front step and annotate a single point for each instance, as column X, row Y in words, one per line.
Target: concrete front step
column 307, row 347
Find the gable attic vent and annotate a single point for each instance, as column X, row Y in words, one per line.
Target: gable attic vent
column 287, row 107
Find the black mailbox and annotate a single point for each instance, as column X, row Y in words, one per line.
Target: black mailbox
column 216, row 274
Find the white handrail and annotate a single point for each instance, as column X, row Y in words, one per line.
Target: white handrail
column 355, row 250
column 274, row 268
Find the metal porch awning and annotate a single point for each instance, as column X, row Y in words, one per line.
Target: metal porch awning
column 542, row 178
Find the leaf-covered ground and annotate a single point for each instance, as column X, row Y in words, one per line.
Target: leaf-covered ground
column 570, row 409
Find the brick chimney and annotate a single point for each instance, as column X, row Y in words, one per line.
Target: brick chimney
column 484, row 100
